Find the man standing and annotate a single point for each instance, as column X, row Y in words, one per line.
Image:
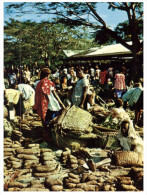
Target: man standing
column 79, row 94
column 28, row 96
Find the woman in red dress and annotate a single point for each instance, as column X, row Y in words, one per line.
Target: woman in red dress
column 119, row 85
column 42, row 92
column 103, row 76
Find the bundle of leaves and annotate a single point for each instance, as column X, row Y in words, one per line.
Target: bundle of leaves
column 112, row 123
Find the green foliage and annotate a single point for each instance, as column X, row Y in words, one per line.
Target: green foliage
column 102, row 38
column 72, row 15
column 41, row 42
column 112, row 123
column 124, row 30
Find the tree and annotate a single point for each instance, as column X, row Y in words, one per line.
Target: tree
column 123, row 30
column 134, row 28
column 42, row 42
column 103, row 38
column 84, row 13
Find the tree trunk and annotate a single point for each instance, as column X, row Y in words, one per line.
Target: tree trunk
column 135, row 68
column 136, row 47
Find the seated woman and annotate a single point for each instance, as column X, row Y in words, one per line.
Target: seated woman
column 119, row 112
column 129, row 138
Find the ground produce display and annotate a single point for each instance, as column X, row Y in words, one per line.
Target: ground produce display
column 31, row 164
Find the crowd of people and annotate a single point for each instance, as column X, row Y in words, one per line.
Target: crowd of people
column 51, row 93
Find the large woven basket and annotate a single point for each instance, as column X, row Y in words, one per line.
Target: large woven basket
column 127, row 158
column 77, row 120
column 106, row 139
column 63, row 142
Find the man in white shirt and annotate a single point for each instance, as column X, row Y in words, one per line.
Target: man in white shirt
column 80, row 91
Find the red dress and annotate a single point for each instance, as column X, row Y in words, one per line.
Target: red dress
column 41, row 99
column 103, row 77
column 120, row 81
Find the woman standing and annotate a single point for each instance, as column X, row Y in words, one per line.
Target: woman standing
column 46, row 104
column 103, row 76
column 119, row 85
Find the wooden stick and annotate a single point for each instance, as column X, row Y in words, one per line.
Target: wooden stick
column 104, row 128
column 105, row 161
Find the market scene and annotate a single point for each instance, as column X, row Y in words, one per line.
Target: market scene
column 73, row 87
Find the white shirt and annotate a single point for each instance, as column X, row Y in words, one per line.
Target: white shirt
column 26, row 91
column 79, row 90
column 53, row 103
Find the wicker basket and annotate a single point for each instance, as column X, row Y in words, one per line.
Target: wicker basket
column 106, row 139
column 63, row 142
column 127, row 158
column 77, row 120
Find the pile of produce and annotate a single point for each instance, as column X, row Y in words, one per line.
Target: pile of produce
column 30, row 164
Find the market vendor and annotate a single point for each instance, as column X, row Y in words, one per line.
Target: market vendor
column 129, row 138
column 133, row 95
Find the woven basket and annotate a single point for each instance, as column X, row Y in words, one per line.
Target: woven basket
column 127, row 158
column 106, row 139
column 63, row 142
column 77, row 119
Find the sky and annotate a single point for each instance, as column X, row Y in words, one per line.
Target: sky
column 112, row 18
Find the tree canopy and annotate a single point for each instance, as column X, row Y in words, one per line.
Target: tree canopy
column 75, row 14
column 41, row 42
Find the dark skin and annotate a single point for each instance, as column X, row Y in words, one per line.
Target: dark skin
column 125, row 129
